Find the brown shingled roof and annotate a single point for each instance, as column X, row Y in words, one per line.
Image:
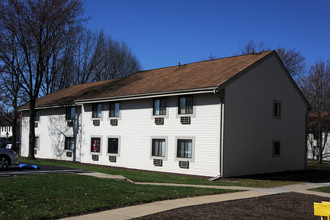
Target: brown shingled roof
column 205, row 74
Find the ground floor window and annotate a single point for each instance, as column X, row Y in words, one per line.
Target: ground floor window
column 113, row 145
column 184, row 148
column 36, row 143
column 69, row 143
column 158, row 147
column 276, row 148
column 95, row 145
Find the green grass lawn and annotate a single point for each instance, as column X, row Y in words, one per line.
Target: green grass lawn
column 145, row 176
column 48, row 196
column 325, row 189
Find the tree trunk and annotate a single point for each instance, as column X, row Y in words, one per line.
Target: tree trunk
column 31, row 128
column 320, row 140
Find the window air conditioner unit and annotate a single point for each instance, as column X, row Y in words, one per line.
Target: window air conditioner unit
column 114, row 122
column 113, row 159
column 35, row 124
column 95, row 157
column 185, row 120
column 70, row 123
column 159, row 121
column 96, row 122
column 184, row 164
column 158, row 162
column 35, row 151
column 69, row 154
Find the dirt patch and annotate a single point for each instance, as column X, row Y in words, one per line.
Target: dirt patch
column 280, row 206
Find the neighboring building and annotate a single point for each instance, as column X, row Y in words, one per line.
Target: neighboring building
column 5, row 129
column 233, row 116
column 312, row 137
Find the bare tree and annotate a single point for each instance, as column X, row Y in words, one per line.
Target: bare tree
column 252, row 47
column 293, row 60
column 315, row 86
column 39, row 29
column 90, row 57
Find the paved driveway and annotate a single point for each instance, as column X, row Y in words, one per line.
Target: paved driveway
column 43, row 169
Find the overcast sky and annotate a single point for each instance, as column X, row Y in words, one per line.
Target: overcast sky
column 164, row 32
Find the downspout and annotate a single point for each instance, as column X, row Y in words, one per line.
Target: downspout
column 222, row 114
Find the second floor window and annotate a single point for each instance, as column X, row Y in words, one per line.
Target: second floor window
column 114, row 109
column 70, row 113
column 97, row 110
column 159, row 106
column 185, row 105
column 37, row 118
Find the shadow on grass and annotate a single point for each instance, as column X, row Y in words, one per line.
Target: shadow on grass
column 316, row 173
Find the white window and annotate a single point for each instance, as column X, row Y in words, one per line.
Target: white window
column 37, row 143
column 184, row 148
column 159, row 107
column 70, row 113
column 97, row 110
column 69, row 143
column 95, row 145
column 114, row 109
column 186, row 105
column 158, row 148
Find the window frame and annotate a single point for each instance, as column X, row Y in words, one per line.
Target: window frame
column 65, row 143
column 37, row 116
column 68, row 113
column 91, row 145
column 111, row 105
column 37, row 143
column 192, row 158
column 277, row 109
column 276, row 152
column 95, row 111
column 119, row 142
column 161, row 108
column 153, row 140
column 188, row 110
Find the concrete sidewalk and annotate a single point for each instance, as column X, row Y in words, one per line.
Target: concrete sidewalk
column 160, row 206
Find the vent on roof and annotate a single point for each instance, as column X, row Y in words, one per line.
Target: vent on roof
column 114, row 122
column 96, row 122
column 69, row 153
column 185, row 120
column 113, row 159
column 35, row 124
column 184, row 164
column 159, row 121
column 158, row 162
column 95, row 157
column 70, row 123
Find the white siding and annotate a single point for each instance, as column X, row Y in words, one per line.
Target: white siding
column 135, row 128
column 52, row 129
column 250, row 127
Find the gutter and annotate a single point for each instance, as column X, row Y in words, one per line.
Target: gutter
column 151, row 95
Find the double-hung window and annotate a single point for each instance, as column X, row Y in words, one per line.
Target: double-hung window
column 97, row 110
column 37, row 118
column 184, row 148
column 37, row 143
column 69, row 143
column 95, row 145
column 113, row 145
column 185, row 105
column 277, row 109
column 158, row 147
column 70, row 113
column 114, row 109
column 276, row 148
column 159, row 107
